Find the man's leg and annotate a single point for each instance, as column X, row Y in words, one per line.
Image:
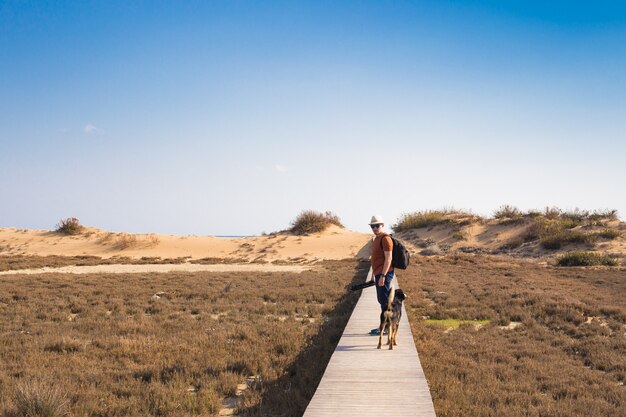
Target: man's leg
column 382, row 294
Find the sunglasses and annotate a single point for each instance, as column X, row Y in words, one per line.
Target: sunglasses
column 375, row 226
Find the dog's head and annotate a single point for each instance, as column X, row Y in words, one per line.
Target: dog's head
column 400, row 295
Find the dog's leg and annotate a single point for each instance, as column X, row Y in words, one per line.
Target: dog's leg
column 389, row 326
column 395, row 334
column 380, row 336
column 390, row 335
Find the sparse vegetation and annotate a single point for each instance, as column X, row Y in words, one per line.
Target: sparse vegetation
column 455, row 323
column 430, row 218
column 174, row 344
column 459, row 235
column 69, row 226
column 314, row 222
column 581, row 258
column 610, row 234
column 509, row 215
column 38, row 399
column 581, row 217
column 10, row 262
column 554, row 235
column 125, row 241
column 566, row 358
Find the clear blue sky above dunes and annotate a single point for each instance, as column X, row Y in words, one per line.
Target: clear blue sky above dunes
column 231, row 117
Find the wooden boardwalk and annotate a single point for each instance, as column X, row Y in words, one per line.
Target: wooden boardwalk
column 361, row 380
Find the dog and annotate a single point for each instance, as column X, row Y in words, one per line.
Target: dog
column 391, row 318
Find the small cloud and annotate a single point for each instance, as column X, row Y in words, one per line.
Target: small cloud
column 281, row 168
column 90, row 129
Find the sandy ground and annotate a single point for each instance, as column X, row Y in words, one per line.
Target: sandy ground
column 258, row 253
column 334, row 243
column 491, row 236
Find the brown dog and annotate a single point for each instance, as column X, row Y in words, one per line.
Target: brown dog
column 391, row 318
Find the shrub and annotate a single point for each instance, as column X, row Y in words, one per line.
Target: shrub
column 126, row 241
column 429, row 218
column 69, row 226
column 313, row 222
column 512, row 244
column 553, row 242
column 610, row 234
column 555, row 233
column 508, row 214
column 63, row 346
column 586, row 259
column 552, row 213
column 599, row 215
column 576, row 216
column 459, row 235
column 551, row 235
column 39, row 400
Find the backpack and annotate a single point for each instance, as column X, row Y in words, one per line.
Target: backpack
column 400, row 255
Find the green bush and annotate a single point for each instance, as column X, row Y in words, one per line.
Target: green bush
column 310, row 221
column 585, row 259
column 553, row 234
column 69, row 226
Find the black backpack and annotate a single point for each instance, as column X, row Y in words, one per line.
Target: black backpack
column 400, row 255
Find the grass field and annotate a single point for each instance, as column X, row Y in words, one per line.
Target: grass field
column 496, row 337
column 567, row 357
column 172, row 344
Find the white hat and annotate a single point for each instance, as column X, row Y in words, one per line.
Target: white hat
column 376, row 220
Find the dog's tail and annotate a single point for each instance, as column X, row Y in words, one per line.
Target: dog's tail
column 392, row 295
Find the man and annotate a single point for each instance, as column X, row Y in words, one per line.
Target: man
column 382, row 271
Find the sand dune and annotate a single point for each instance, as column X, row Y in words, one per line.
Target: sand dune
column 492, row 236
column 488, row 236
column 334, row 243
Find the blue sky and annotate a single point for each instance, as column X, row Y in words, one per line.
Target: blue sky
column 231, row 117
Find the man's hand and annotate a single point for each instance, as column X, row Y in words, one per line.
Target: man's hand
column 381, row 281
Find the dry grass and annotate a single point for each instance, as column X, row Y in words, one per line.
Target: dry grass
column 313, row 222
column 125, row 241
column 173, row 344
column 609, row 234
column 122, row 241
column 509, row 215
column 15, row 262
column 567, row 358
column 214, row 261
column 430, row 218
column 555, row 236
column 69, row 226
column 39, row 399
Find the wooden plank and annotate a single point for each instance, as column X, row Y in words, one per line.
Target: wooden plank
column 361, row 380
